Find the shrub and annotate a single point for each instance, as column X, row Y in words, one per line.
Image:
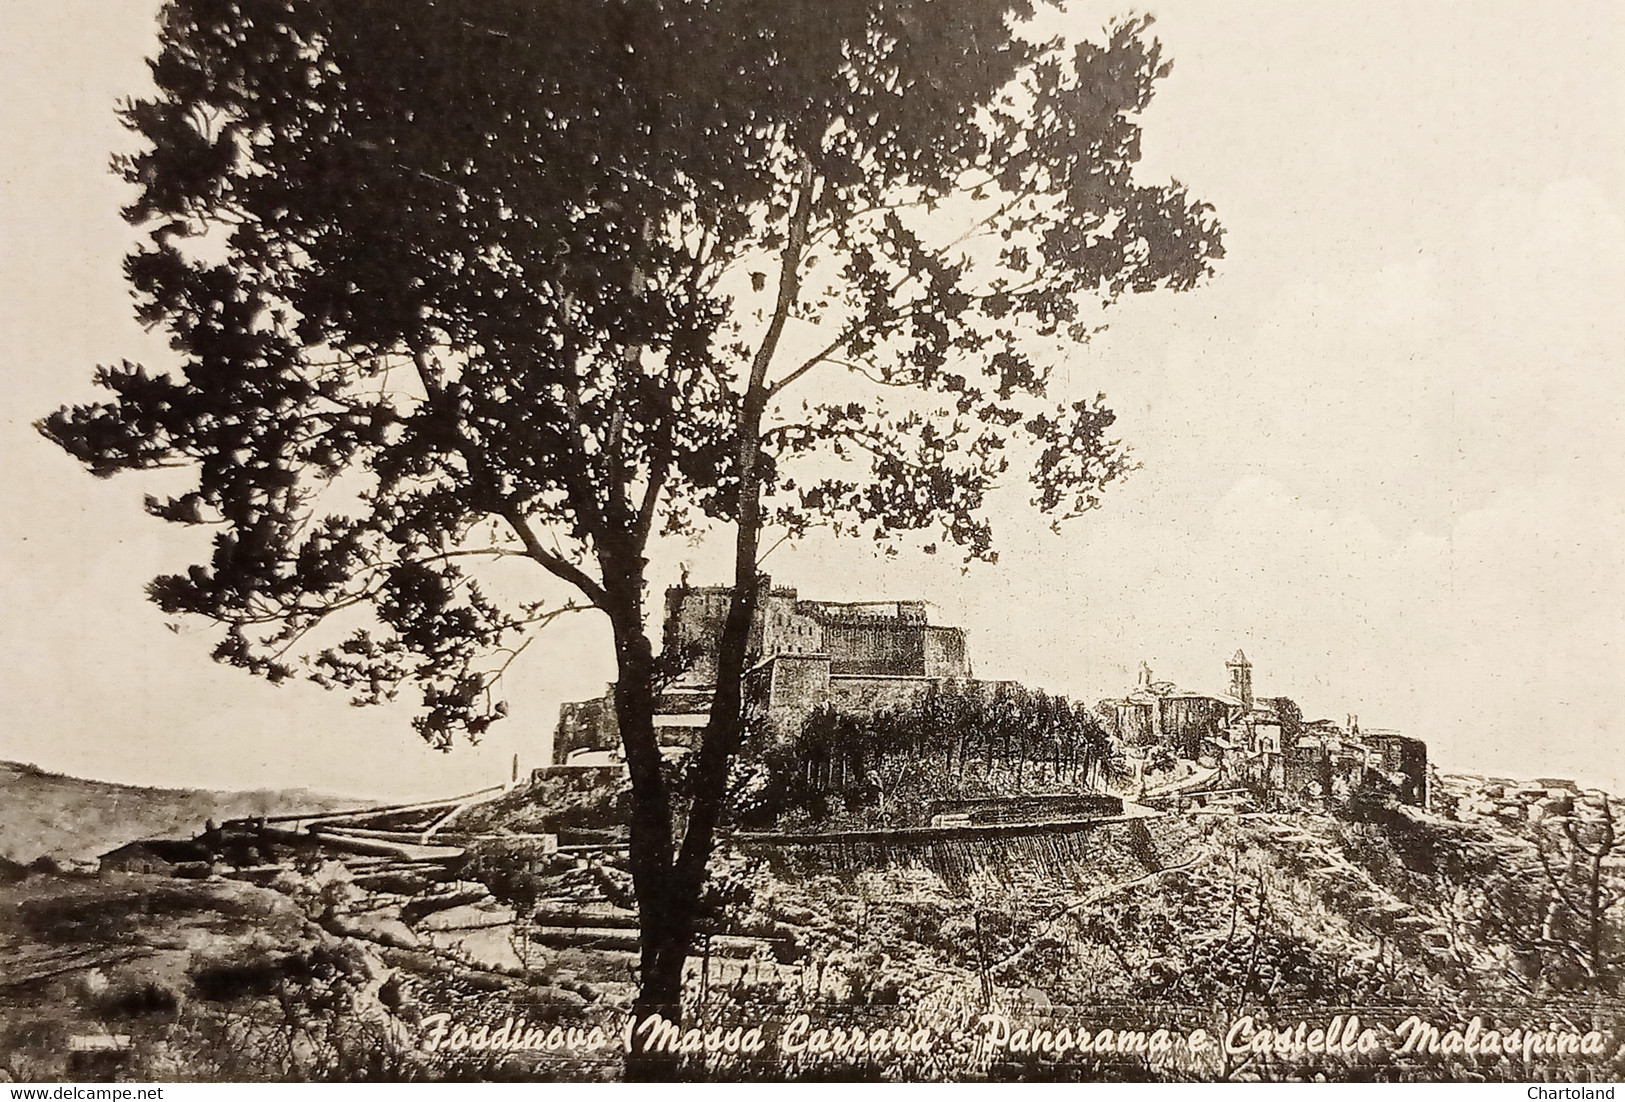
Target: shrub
column 136, row 998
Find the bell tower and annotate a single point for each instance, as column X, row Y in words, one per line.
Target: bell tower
column 1241, row 678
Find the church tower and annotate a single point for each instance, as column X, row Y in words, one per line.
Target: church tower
column 1241, row 678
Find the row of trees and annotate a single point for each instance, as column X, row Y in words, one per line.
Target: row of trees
column 957, row 740
column 542, row 282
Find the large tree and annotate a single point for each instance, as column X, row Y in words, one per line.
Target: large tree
column 459, row 281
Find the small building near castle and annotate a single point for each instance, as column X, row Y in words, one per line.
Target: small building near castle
column 1403, row 759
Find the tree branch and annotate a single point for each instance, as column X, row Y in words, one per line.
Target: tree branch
column 857, row 327
column 552, row 561
column 789, row 281
column 555, row 563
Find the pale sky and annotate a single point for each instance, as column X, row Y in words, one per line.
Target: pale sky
column 1382, row 451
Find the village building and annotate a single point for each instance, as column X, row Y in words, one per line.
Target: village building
column 1403, row 759
column 1264, row 742
column 1157, row 713
column 1200, row 726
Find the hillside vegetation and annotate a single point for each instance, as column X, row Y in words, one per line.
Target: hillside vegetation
column 73, row 819
column 1496, row 914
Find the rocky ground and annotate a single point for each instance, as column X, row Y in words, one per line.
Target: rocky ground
column 144, row 977
column 321, row 973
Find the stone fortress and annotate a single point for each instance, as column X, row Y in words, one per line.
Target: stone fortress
column 864, row 657
column 855, row 656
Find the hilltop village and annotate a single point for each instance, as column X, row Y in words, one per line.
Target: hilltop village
column 861, row 661
column 901, row 836
column 865, row 721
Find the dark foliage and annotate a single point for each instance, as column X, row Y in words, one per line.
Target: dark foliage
column 958, row 740
column 475, row 257
column 457, row 283
column 137, row 999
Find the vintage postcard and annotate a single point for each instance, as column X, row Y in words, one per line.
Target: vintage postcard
column 864, row 540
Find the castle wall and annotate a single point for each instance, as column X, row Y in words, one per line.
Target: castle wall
column 790, row 687
column 586, row 725
column 694, row 620
column 776, row 627
column 946, row 653
column 875, row 647
column 797, row 684
column 867, row 694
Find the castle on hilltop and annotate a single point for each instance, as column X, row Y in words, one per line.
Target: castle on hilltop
column 853, row 656
column 865, row 658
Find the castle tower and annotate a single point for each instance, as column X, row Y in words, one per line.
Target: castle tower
column 1241, row 678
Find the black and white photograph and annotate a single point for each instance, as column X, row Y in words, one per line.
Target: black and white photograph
column 876, row 541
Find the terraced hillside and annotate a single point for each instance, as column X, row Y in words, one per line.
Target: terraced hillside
column 1189, row 920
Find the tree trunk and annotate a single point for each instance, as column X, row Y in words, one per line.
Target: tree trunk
column 667, row 934
column 1595, row 916
column 666, row 937
column 665, row 912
